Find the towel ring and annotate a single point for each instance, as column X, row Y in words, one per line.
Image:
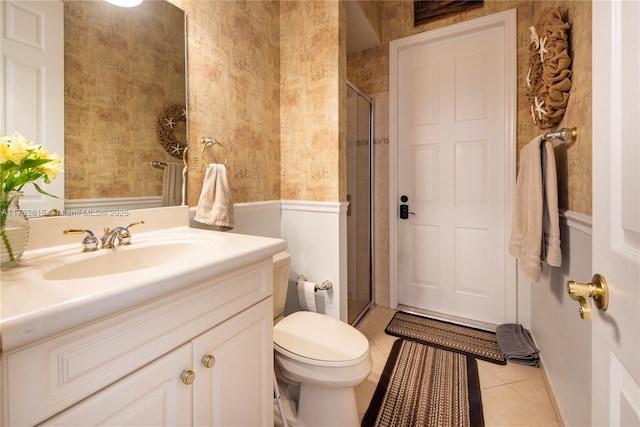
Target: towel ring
column 210, row 142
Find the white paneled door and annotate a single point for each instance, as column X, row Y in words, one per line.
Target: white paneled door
column 32, row 85
column 615, row 384
column 455, row 144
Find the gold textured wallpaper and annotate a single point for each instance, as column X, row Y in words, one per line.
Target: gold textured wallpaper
column 313, row 100
column 369, row 70
column 267, row 79
column 112, row 103
column 233, row 57
column 573, row 160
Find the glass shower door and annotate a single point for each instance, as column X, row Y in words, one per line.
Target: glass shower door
column 359, row 195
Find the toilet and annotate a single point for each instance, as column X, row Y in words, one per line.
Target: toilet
column 319, row 360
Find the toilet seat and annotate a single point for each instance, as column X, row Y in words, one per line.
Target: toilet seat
column 321, row 340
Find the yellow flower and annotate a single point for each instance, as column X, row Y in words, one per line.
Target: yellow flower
column 22, row 162
column 53, row 167
column 15, row 148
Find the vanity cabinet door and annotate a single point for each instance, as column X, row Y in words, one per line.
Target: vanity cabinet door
column 154, row 395
column 233, row 363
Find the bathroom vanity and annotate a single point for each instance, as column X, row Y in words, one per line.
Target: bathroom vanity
column 185, row 340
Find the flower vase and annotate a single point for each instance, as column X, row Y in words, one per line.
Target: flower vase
column 14, row 229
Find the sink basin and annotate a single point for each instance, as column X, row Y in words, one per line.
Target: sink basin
column 123, row 260
column 57, row 287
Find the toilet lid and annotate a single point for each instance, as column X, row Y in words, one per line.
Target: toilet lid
column 319, row 337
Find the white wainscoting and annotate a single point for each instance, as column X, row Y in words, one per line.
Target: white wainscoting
column 316, row 236
column 256, row 219
column 563, row 337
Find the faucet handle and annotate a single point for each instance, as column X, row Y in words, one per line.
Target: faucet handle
column 121, row 233
column 126, row 227
column 90, row 241
column 125, row 237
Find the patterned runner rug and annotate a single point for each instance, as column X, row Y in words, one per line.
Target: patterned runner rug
column 426, row 386
column 448, row 336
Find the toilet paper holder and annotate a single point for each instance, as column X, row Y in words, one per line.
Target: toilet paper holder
column 324, row 286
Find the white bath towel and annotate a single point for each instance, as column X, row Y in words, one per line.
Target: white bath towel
column 172, row 184
column 215, row 206
column 551, row 251
column 535, row 233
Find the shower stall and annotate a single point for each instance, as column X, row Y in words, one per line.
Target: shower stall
column 359, row 196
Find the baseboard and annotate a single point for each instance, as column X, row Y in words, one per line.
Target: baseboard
column 552, row 396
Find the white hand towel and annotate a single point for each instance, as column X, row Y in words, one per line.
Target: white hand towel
column 535, row 224
column 172, row 183
column 215, row 206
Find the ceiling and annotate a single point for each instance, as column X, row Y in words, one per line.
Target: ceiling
column 360, row 34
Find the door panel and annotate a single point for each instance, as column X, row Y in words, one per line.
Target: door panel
column 151, row 396
column 32, row 89
column 616, row 214
column 452, row 160
column 236, row 389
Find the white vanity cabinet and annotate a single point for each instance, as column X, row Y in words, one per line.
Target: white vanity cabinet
column 233, row 365
column 151, row 396
column 201, row 355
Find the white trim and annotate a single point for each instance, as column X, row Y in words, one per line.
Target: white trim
column 577, row 221
column 393, row 174
column 254, row 218
column 511, row 108
column 253, row 207
column 508, row 19
column 113, row 203
column 310, row 206
column 247, row 207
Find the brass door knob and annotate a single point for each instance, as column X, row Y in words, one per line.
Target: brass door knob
column 596, row 290
column 187, row 376
column 208, row 361
column 585, row 309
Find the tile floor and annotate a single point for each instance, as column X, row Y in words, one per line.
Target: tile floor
column 512, row 395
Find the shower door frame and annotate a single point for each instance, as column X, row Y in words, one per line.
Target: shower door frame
column 369, row 305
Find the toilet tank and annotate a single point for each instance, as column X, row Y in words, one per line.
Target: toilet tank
column 281, row 262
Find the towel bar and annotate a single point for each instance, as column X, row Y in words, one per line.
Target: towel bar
column 210, row 142
column 562, row 134
column 161, row 165
column 158, row 165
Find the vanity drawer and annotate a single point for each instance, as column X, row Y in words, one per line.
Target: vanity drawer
column 49, row 376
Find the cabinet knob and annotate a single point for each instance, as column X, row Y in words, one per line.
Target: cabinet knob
column 188, row 376
column 208, row 361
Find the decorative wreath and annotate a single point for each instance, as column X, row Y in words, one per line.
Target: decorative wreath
column 166, row 123
column 549, row 76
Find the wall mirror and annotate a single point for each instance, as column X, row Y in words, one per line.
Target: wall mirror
column 125, row 76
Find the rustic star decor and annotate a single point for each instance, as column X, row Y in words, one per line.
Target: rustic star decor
column 166, row 126
column 549, row 75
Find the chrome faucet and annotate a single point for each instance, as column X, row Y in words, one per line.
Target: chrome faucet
column 121, row 233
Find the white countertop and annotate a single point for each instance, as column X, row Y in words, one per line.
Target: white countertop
column 34, row 308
